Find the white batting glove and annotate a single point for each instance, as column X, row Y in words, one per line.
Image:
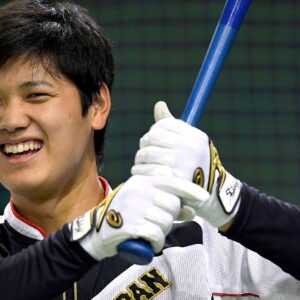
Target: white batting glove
column 136, row 209
column 173, row 148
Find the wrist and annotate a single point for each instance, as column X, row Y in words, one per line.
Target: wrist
column 85, row 229
column 224, row 202
column 229, row 193
column 226, row 226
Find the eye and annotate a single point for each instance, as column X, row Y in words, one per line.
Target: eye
column 36, row 95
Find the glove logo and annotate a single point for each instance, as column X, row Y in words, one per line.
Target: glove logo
column 114, row 219
column 231, row 190
column 198, row 177
column 81, row 227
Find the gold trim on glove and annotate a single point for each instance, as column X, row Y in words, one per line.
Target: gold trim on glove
column 106, row 202
column 81, row 226
column 215, row 165
column 198, row 177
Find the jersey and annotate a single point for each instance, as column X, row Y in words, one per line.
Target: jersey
column 270, row 227
column 196, row 263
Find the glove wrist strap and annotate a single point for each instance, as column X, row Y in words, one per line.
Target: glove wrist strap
column 229, row 190
column 82, row 226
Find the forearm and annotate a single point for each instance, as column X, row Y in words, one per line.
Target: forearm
column 269, row 227
column 43, row 270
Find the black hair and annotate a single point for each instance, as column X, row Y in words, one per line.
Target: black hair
column 65, row 37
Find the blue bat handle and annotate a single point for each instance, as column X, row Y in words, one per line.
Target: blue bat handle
column 222, row 40
column 136, row 251
column 139, row 251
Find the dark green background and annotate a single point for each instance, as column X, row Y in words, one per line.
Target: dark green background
column 252, row 115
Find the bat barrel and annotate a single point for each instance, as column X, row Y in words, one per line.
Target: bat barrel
column 222, row 40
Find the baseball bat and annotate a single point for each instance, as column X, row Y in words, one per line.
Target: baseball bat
column 140, row 251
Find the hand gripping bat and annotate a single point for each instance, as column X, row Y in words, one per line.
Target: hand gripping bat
column 140, row 251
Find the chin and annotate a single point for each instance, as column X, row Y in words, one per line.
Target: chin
column 28, row 186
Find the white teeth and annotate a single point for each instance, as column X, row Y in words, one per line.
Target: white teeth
column 15, row 149
column 21, row 147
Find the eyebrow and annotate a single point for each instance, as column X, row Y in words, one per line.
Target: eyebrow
column 29, row 84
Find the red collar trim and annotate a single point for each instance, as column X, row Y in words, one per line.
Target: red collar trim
column 19, row 217
column 29, row 229
column 105, row 186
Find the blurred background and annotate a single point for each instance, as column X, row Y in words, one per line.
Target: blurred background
column 252, row 115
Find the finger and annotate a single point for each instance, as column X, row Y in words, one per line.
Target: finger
column 153, row 234
column 168, row 202
column 160, row 218
column 190, row 193
column 155, row 155
column 171, row 125
column 151, row 170
column 161, row 111
column 186, row 213
column 158, row 137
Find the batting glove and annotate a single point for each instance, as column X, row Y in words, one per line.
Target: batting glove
column 136, row 209
column 190, row 160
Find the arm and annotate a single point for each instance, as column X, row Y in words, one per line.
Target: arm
column 172, row 147
column 45, row 269
column 134, row 210
column 270, row 227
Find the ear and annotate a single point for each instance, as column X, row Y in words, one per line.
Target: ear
column 100, row 107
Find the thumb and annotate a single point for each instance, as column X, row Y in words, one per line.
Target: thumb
column 161, row 111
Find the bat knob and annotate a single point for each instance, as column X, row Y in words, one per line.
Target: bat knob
column 136, row 251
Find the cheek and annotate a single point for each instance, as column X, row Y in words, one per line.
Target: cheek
column 63, row 125
column 69, row 135
column 55, row 119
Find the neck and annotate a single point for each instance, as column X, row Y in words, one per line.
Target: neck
column 52, row 212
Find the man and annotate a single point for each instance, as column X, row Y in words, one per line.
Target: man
column 56, row 72
column 261, row 223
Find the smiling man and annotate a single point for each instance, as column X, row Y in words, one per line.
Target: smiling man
column 40, row 118
column 56, row 74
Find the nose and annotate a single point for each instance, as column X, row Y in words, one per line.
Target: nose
column 13, row 116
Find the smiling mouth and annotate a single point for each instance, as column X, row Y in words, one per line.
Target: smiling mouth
column 20, row 149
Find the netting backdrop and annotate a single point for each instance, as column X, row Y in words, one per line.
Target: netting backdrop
column 252, row 115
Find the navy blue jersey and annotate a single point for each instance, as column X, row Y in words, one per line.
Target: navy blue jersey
column 58, row 268
column 269, row 227
column 46, row 268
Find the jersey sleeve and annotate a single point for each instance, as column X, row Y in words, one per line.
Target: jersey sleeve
column 269, row 227
column 43, row 270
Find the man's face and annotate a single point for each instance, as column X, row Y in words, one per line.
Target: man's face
column 45, row 141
